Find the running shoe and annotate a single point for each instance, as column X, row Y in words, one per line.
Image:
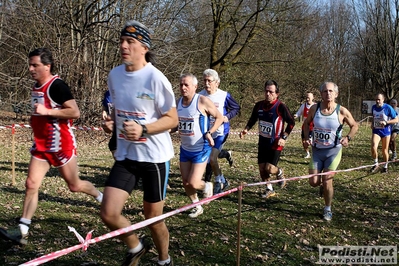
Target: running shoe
column 385, row 170
column 374, row 169
column 166, row 264
column 327, row 215
column 269, row 193
column 133, row 259
column 15, row 235
column 217, row 188
column 220, row 187
column 280, row 176
column 197, row 211
column 225, row 185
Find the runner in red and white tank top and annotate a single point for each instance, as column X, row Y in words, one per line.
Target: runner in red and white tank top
column 52, row 134
column 53, row 107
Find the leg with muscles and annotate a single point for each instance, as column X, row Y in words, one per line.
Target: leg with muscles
column 375, row 140
column 272, row 158
column 224, row 153
column 385, row 153
column 333, row 158
column 265, row 176
column 208, row 172
column 70, row 174
column 220, row 181
column 192, row 181
column 392, row 145
column 36, row 172
column 111, row 214
column 159, row 231
column 328, row 194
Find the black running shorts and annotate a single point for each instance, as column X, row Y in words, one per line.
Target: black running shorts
column 125, row 174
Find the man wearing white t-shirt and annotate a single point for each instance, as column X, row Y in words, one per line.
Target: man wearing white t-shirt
column 144, row 112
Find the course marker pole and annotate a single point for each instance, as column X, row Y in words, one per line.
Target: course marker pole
column 239, row 224
column 13, row 154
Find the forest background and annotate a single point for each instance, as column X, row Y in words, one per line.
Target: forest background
column 298, row 43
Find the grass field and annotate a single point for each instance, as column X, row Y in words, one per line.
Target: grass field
column 284, row 230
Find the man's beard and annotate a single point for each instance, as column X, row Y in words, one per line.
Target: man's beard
column 127, row 63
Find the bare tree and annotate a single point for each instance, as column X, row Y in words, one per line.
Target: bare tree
column 378, row 30
column 294, row 42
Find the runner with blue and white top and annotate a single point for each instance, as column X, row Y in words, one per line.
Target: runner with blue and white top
column 195, row 132
column 229, row 108
column 384, row 116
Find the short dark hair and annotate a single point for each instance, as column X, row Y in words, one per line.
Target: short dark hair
column 45, row 57
column 271, row 82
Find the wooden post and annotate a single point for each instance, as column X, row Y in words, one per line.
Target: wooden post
column 13, row 154
column 238, row 255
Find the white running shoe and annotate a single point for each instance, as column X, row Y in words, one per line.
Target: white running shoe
column 327, row 215
column 195, row 212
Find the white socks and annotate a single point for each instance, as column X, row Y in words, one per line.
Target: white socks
column 24, row 225
column 99, row 198
column 163, row 262
column 136, row 249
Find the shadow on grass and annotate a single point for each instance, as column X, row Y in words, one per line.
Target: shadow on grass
column 47, row 198
column 19, row 167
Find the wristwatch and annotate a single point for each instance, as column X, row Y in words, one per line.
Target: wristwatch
column 144, row 130
column 348, row 137
column 284, row 137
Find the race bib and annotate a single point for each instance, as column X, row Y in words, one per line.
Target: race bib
column 321, row 136
column 123, row 116
column 37, row 97
column 186, row 126
column 265, row 129
column 377, row 122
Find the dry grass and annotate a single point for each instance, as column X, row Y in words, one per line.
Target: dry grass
column 285, row 230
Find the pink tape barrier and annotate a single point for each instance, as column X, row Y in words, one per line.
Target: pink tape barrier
column 88, row 240
column 85, row 244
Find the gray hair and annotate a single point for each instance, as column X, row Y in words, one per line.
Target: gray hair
column 324, row 85
column 194, row 78
column 211, row 73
